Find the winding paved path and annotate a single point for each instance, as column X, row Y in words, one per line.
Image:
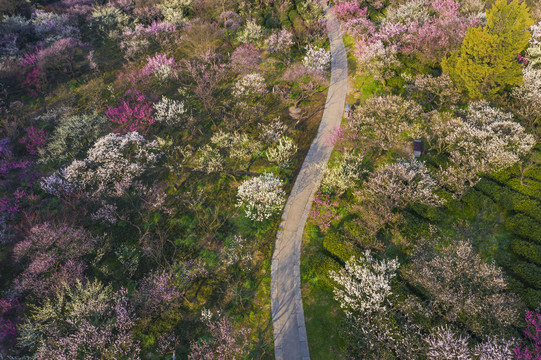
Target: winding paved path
column 290, row 341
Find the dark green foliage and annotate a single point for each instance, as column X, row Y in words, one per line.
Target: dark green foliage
column 340, row 247
column 529, row 273
column 525, row 227
column 529, row 251
column 511, row 200
column 322, row 264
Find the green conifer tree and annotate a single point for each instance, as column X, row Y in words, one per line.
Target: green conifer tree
column 486, row 62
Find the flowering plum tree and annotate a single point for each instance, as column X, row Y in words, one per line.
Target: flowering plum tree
column 245, row 59
column 280, row 42
column 134, row 113
column 283, row 152
column 261, row 196
column 317, row 58
column 533, row 336
column 226, row 342
column 52, row 254
column 110, row 168
column 465, row 289
column 34, row 140
column 162, row 67
column 387, row 119
column 85, row 320
column 250, row 85
column 169, row 111
column 487, row 140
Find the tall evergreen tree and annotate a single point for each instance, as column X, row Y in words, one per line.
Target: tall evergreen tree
column 486, row 62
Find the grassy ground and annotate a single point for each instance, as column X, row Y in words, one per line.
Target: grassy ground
column 321, row 312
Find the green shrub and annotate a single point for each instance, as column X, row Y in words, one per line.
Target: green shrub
column 530, row 188
column 529, row 273
column 430, row 213
column 527, row 250
column 477, row 200
column 321, row 265
column 532, row 297
column 534, row 173
column 524, row 226
column 340, row 247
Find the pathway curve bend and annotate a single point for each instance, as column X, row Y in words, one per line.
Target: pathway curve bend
column 290, row 340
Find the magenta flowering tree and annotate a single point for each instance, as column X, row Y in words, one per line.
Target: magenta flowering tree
column 324, row 210
column 531, row 351
column 34, row 140
column 134, row 113
column 8, row 321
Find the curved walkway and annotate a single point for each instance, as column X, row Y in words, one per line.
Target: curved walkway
column 290, row 341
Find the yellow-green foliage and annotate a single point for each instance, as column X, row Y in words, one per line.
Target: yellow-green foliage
column 486, row 62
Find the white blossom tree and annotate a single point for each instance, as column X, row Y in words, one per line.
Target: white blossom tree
column 388, row 119
column 317, row 58
column 342, row 174
column 444, row 344
column 485, row 141
column 283, row 152
column 169, row 111
column 261, row 196
column 250, row 85
column 363, row 285
column 111, row 166
column 463, row 288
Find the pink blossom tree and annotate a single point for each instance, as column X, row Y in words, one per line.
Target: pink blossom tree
column 52, row 255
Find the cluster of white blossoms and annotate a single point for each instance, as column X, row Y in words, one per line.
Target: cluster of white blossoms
column 534, row 51
column 487, row 140
column 528, row 94
column 363, row 285
column 407, row 181
column 110, row 167
column 239, row 146
column 317, row 58
column 272, row 132
column 341, row 175
column 279, row 42
column 443, row 343
column 236, row 250
column 173, row 10
column 250, row 85
column 169, row 111
column 283, row 152
column 252, row 32
column 261, row 196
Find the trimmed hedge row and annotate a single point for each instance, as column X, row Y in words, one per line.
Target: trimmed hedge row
column 510, row 199
column 527, row 250
column 527, row 272
column 524, row 226
column 430, row 213
column 476, row 200
column 532, row 297
column 534, row 173
column 340, row 248
column 530, row 188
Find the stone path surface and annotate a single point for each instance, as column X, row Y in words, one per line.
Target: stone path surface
column 290, row 341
